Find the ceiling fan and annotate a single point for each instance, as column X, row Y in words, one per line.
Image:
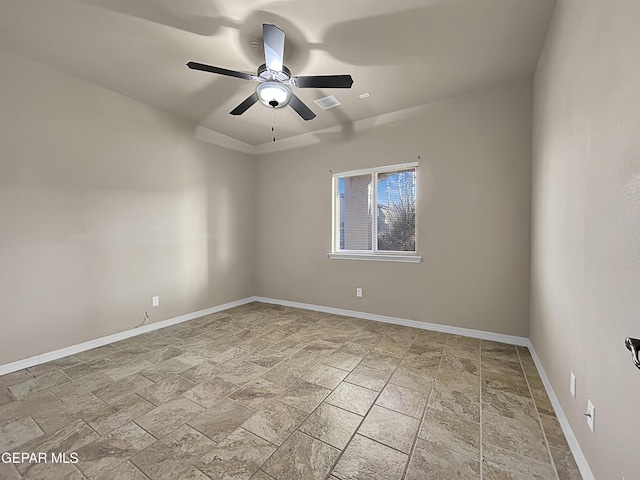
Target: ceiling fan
column 275, row 79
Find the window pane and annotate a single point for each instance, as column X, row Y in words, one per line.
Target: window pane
column 397, row 211
column 355, row 212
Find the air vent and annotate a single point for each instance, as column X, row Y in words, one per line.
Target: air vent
column 327, row 102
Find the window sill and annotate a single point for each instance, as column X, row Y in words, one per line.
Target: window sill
column 376, row 257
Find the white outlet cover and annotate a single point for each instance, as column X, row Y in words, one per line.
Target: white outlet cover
column 155, row 301
column 572, row 385
column 358, row 292
column 591, row 417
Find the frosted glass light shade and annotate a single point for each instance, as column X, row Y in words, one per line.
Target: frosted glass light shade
column 273, row 94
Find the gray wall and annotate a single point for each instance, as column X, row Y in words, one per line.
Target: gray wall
column 105, row 202
column 585, row 294
column 473, row 209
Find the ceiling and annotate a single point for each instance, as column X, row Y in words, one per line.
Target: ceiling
column 404, row 53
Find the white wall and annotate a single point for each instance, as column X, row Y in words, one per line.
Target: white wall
column 585, row 296
column 105, row 202
column 473, row 210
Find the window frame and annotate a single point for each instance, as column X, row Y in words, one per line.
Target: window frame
column 374, row 254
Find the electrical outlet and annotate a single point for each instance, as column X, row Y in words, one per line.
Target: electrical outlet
column 572, row 385
column 155, row 301
column 358, row 292
column 591, row 415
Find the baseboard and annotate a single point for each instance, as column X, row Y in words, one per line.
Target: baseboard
column 98, row 342
column 578, row 455
column 466, row 332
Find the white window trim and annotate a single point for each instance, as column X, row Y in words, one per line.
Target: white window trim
column 336, row 254
column 376, row 257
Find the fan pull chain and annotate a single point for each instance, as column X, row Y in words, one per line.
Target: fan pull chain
column 273, row 125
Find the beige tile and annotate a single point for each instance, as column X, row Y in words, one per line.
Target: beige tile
column 95, row 353
column 80, row 386
column 260, row 475
column 342, row 359
column 41, row 402
column 5, row 396
column 403, row 400
column 16, row 433
column 14, row 378
column 267, row 358
column 304, row 396
column 452, row 433
column 332, row 425
column 55, row 471
column 192, row 473
column 167, row 389
column 8, row 472
column 390, row 428
column 368, row 377
column 208, row 393
column 126, row 369
column 241, row 372
column 274, row 421
column 501, row 351
column 325, row 376
column 202, row 372
column 257, row 392
column 125, row 471
column 466, row 368
column 163, row 354
column 121, row 388
column 301, row 457
column 502, row 366
column 553, row 431
column 220, row 420
column 69, row 439
column 500, row 464
column 22, row 390
column 173, row 366
column 121, row 411
column 284, row 374
column 364, row 459
column 237, row 457
column 425, row 361
column 543, row 404
column 419, row 379
column 94, row 365
column 464, row 403
column 352, row 397
column 230, row 354
column 517, row 435
column 565, row 463
column 168, row 458
column 379, row 361
column 506, row 383
column 105, row 454
column 169, row 416
column 53, row 366
column 54, row 419
column 432, row 461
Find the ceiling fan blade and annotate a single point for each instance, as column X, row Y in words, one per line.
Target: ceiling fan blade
column 298, row 105
column 220, row 71
column 323, row 81
column 273, row 47
column 244, row 106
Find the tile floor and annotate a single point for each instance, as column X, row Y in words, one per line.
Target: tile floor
column 267, row 392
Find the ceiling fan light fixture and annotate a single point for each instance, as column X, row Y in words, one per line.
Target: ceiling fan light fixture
column 273, row 94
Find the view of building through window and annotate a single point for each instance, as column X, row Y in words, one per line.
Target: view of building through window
column 394, row 197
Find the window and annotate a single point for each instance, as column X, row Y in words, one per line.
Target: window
column 374, row 214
